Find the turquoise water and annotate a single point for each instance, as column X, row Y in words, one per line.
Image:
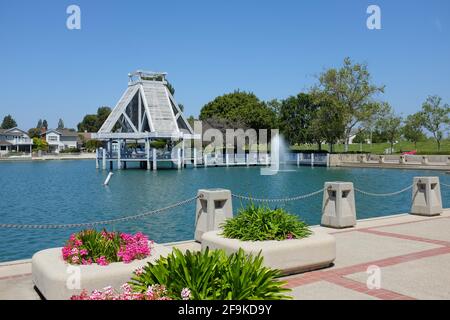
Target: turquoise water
column 71, row 191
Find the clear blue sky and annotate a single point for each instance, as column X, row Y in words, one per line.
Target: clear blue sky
column 272, row 48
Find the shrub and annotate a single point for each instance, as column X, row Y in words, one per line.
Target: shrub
column 89, row 246
column 70, row 150
column 255, row 223
column 212, row 275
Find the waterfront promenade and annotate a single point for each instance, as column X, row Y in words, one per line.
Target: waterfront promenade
column 412, row 252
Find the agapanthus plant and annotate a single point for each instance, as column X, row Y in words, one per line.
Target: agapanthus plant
column 91, row 246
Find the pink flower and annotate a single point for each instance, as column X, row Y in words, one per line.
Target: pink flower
column 96, row 295
column 186, row 294
column 83, row 252
column 139, row 271
column 102, row 261
column 290, row 236
column 86, row 262
column 75, row 259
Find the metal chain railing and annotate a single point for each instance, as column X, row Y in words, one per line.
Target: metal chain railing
column 296, row 198
column 390, row 194
column 96, row 223
column 181, row 203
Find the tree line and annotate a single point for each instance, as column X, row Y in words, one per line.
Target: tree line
column 344, row 102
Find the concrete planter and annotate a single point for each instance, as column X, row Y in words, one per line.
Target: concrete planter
column 290, row 256
column 57, row 280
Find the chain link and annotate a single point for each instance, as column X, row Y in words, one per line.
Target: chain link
column 97, row 223
column 384, row 194
column 300, row 197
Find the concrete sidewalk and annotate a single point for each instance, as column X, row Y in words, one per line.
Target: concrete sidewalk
column 412, row 252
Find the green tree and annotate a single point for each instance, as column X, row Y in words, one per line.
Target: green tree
column 61, row 124
column 40, row 144
column 191, row 121
column 45, row 124
column 352, row 89
column 34, row 133
column 296, row 117
column 102, row 115
column 390, row 124
column 328, row 124
column 93, row 122
column 412, row 129
column 8, row 122
column 240, row 107
column 435, row 116
column 39, row 124
column 92, row 145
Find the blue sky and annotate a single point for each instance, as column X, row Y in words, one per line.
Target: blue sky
column 272, row 48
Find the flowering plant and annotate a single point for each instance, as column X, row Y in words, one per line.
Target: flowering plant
column 91, row 246
column 154, row 292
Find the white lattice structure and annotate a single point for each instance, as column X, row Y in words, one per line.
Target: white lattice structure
column 146, row 112
column 147, row 109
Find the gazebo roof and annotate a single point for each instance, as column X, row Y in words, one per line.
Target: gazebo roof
column 146, row 109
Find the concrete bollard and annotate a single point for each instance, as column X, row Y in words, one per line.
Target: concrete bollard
column 338, row 209
column 381, row 159
column 426, row 196
column 213, row 207
column 402, row 159
column 424, row 160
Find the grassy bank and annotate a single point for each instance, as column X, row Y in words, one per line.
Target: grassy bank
column 424, row 147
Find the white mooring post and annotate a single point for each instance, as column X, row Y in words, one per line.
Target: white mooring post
column 104, row 158
column 227, row 159
column 96, row 159
column 155, row 161
column 298, row 159
column 147, row 152
column 338, row 208
column 119, row 151
column 179, row 159
column 213, row 207
column 183, row 154
column 195, row 157
column 312, row 159
column 426, row 196
column 247, row 160
column 205, row 162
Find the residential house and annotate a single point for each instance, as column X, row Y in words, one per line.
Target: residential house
column 15, row 140
column 61, row 139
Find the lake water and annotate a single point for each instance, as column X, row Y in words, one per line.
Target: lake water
column 52, row 192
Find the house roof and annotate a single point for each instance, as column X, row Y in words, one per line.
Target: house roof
column 10, row 132
column 64, row 132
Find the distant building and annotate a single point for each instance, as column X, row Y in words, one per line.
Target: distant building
column 15, row 140
column 61, row 139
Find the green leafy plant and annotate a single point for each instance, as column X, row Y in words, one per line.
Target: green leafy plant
column 212, row 275
column 260, row 223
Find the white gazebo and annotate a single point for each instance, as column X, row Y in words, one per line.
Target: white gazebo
column 146, row 112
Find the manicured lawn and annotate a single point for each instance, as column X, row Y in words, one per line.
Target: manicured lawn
column 424, row 147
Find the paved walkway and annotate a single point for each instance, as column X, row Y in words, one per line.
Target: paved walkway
column 412, row 252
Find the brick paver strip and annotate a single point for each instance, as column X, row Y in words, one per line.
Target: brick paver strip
column 15, row 276
column 403, row 236
column 337, row 276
